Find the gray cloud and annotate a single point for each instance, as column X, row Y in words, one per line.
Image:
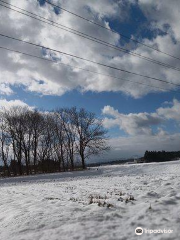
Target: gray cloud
column 137, row 145
column 57, row 79
column 141, row 123
column 164, row 15
column 133, row 124
column 172, row 112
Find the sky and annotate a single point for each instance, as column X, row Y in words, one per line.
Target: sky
column 138, row 117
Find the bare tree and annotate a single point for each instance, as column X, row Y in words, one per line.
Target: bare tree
column 46, row 146
column 4, row 145
column 37, row 127
column 70, row 134
column 90, row 134
column 48, row 141
column 14, row 127
column 59, row 139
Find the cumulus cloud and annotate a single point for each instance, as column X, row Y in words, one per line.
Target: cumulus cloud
column 142, row 123
column 55, row 79
column 133, row 124
column 139, row 129
column 172, row 112
column 5, row 104
column 163, row 14
column 5, row 89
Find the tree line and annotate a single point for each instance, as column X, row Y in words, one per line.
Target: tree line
column 161, row 156
column 33, row 141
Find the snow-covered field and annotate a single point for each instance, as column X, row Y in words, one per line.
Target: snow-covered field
column 108, row 203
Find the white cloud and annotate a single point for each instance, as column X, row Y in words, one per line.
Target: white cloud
column 5, row 104
column 141, row 123
column 163, row 13
column 133, row 124
column 171, row 112
column 5, row 89
column 57, row 79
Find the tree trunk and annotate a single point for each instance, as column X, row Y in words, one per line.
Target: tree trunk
column 35, row 153
column 83, row 160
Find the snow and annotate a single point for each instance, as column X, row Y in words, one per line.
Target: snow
column 105, row 203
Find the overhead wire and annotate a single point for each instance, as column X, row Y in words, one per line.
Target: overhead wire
column 108, row 29
column 86, row 36
column 75, row 67
column 88, row 60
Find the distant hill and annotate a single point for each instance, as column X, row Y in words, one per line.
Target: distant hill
column 112, row 162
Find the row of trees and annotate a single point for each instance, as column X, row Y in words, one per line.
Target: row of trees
column 160, row 156
column 32, row 141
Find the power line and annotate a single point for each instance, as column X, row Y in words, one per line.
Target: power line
column 91, row 61
column 109, row 29
column 86, row 36
column 87, row 70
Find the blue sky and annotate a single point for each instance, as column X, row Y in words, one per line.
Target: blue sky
column 95, row 101
column 136, row 120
